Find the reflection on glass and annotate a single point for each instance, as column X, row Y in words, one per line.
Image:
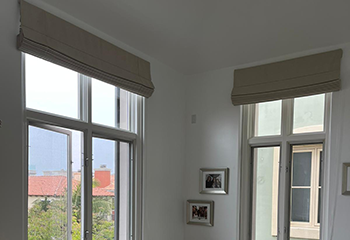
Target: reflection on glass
column 110, row 105
column 51, row 88
column 302, row 169
column 309, row 114
column 268, row 118
column 51, row 183
column 300, row 205
column 266, row 161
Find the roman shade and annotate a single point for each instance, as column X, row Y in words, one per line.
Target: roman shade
column 309, row 75
column 53, row 39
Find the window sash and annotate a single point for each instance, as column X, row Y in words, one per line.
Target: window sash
column 84, row 124
column 286, row 140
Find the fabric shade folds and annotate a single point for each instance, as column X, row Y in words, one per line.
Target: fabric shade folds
column 309, row 75
column 53, row 39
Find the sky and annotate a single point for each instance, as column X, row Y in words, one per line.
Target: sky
column 54, row 89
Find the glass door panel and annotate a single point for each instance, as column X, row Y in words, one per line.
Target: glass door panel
column 265, row 192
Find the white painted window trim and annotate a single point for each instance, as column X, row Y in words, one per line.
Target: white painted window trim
column 248, row 141
column 84, row 124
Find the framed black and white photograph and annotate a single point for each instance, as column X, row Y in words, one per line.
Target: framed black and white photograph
column 213, row 180
column 200, row 212
column 346, row 179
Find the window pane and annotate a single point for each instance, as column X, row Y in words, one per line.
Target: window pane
column 268, row 118
column 106, row 179
column 110, row 105
column 104, row 188
column 266, row 161
column 309, row 114
column 54, row 191
column 300, row 211
column 51, row 88
column 302, row 168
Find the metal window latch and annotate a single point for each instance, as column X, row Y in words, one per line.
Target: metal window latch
column 86, row 234
column 85, row 164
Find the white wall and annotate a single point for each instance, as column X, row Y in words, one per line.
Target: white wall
column 339, row 205
column 11, row 130
column 164, row 162
column 213, row 142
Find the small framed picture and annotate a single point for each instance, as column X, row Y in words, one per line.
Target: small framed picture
column 346, row 179
column 213, row 180
column 200, row 212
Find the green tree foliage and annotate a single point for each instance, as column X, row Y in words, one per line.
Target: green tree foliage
column 47, row 218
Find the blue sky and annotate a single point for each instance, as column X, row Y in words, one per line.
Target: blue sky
column 48, row 151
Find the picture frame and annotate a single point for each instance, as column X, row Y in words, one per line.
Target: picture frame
column 346, row 179
column 214, row 181
column 200, row 212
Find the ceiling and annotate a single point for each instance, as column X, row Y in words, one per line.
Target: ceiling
column 194, row 36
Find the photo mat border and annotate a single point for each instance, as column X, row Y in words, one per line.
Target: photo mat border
column 224, row 191
column 199, row 202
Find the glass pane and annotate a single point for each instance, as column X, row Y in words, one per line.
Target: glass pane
column 268, row 118
column 266, row 162
column 302, row 168
column 106, row 177
column 104, row 188
column 110, row 105
column 51, row 88
column 49, row 188
column 300, row 211
column 309, row 114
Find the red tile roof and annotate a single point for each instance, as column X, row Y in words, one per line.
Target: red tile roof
column 56, row 186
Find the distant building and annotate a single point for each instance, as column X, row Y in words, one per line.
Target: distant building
column 54, row 184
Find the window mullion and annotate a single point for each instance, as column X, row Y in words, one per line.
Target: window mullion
column 88, row 158
column 285, row 172
column 87, row 187
column 69, row 186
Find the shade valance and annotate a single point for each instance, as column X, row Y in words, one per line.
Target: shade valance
column 53, row 39
column 309, row 75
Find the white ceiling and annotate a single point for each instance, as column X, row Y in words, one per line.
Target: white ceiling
column 194, row 36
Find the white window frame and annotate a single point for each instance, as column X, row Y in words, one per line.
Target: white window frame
column 84, row 124
column 248, row 141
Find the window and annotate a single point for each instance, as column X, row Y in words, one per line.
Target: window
column 305, row 192
column 83, row 135
column 282, row 158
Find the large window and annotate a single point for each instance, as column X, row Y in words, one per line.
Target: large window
column 281, row 170
column 84, row 156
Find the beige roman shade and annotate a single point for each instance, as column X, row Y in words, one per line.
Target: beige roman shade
column 53, row 39
column 315, row 74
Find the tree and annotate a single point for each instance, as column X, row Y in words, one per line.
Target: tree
column 47, row 219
